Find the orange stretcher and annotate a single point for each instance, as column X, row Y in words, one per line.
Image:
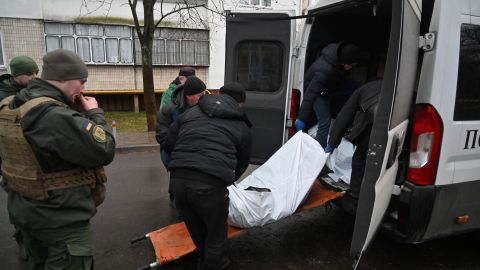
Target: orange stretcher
column 173, row 241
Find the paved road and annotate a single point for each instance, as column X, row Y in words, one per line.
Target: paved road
column 317, row 239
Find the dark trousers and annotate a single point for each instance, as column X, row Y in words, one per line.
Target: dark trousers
column 328, row 106
column 205, row 211
column 359, row 160
column 70, row 247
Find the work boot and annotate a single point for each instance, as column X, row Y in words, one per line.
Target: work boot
column 225, row 262
column 324, row 172
column 348, row 204
column 22, row 251
column 172, row 200
column 328, row 182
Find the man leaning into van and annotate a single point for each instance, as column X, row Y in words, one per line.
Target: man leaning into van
column 357, row 118
column 322, row 81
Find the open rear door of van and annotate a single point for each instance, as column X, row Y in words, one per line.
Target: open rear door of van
column 390, row 126
column 258, row 54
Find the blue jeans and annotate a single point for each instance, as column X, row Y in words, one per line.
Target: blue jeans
column 327, row 107
column 321, row 106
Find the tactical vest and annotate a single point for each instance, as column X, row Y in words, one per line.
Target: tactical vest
column 20, row 168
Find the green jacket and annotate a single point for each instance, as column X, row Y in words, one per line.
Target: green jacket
column 8, row 86
column 166, row 96
column 61, row 139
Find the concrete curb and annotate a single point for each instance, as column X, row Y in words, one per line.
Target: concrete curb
column 137, row 148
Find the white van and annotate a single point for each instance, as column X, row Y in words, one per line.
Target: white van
column 423, row 166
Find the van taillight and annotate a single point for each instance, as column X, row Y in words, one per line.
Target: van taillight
column 425, row 145
column 294, row 103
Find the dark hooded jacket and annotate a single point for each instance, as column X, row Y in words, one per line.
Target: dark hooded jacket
column 169, row 113
column 8, row 86
column 212, row 138
column 357, row 114
column 321, row 78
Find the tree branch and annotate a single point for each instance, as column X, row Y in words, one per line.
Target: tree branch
column 133, row 8
column 214, row 11
column 176, row 11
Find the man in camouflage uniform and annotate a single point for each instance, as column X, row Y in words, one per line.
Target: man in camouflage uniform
column 53, row 160
column 23, row 69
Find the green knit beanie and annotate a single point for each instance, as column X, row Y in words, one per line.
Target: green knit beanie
column 63, row 65
column 22, row 65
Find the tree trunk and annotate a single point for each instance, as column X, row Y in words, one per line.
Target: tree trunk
column 148, row 89
column 147, row 69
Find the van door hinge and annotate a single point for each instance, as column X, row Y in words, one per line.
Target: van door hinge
column 289, row 123
column 396, row 190
column 426, row 42
column 295, row 51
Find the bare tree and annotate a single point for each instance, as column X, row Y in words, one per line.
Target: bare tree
column 145, row 36
column 184, row 13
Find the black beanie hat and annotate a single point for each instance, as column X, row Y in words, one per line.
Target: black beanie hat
column 63, row 65
column 348, row 54
column 235, row 90
column 193, row 86
column 186, row 71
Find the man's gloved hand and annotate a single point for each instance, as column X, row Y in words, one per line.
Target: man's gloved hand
column 328, row 149
column 299, row 124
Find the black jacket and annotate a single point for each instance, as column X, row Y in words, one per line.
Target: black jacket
column 212, row 138
column 358, row 113
column 8, row 86
column 320, row 79
column 169, row 113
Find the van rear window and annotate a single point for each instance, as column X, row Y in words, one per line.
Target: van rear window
column 260, row 65
column 467, row 101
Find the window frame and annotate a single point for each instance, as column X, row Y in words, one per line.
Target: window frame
column 184, row 56
column 182, row 63
column 135, row 59
column 282, row 51
column 197, row 52
column 459, row 112
column 262, row 4
column 104, row 37
column 2, row 49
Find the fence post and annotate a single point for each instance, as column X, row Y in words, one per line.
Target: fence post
column 114, row 129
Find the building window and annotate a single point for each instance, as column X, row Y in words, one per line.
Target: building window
column 95, row 44
column 467, row 100
column 261, row 3
column 2, row 61
column 115, row 44
column 173, row 52
column 188, row 52
column 176, row 46
column 259, row 65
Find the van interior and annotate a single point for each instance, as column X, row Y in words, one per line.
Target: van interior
column 366, row 25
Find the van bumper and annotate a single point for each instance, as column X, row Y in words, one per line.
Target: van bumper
column 414, row 208
column 429, row 212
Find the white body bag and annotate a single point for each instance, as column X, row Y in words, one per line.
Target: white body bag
column 278, row 187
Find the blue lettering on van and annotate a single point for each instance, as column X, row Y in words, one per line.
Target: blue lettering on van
column 472, row 143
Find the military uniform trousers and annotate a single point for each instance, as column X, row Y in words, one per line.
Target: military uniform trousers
column 66, row 248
